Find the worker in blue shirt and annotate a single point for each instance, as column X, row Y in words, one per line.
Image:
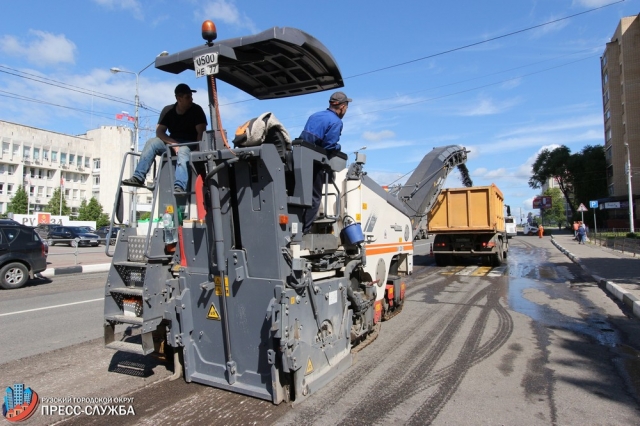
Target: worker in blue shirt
column 323, row 129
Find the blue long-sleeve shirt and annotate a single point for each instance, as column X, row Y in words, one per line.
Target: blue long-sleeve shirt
column 323, row 129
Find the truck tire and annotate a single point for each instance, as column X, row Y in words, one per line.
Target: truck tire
column 498, row 258
column 13, row 275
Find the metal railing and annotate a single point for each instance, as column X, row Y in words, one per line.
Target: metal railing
column 74, row 244
column 617, row 242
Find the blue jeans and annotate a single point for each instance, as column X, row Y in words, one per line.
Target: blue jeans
column 154, row 147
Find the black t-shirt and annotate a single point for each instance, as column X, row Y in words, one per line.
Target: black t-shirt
column 183, row 126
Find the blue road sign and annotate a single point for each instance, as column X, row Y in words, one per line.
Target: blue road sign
column 593, row 204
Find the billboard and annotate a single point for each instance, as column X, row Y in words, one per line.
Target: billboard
column 542, row 202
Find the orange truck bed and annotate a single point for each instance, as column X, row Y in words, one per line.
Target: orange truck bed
column 474, row 209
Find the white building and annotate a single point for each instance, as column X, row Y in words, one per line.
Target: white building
column 38, row 159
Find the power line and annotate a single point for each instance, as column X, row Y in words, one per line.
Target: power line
column 444, row 52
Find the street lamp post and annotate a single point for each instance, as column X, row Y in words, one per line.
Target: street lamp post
column 631, row 227
column 133, row 220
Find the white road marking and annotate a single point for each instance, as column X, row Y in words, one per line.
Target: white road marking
column 51, row 307
column 468, row 270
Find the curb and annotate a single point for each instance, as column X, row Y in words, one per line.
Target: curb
column 620, row 293
column 78, row 269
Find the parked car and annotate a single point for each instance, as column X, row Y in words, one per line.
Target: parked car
column 22, row 254
column 73, row 236
column 43, row 229
column 104, row 230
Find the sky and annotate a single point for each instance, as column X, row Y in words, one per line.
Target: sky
column 504, row 79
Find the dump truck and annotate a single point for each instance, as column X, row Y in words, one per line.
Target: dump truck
column 469, row 222
column 227, row 285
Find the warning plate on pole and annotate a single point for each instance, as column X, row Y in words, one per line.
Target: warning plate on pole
column 582, row 208
column 213, row 313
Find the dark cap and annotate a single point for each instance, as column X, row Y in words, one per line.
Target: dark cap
column 339, row 98
column 182, row 88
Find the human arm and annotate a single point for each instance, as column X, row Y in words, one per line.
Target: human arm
column 332, row 136
column 200, row 128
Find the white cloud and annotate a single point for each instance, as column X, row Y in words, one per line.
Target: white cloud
column 227, row 12
column 42, row 48
column 133, row 6
column 591, row 3
column 489, row 107
column 564, row 124
column 377, row 136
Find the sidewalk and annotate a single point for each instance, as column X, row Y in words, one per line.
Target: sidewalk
column 618, row 273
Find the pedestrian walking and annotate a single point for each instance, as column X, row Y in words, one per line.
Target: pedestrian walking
column 575, row 230
column 540, row 231
column 582, row 233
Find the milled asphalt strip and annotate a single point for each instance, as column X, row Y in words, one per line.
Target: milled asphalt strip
column 620, row 293
column 51, row 307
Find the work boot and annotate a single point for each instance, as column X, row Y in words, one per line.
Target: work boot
column 178, row 190
column 133, row 181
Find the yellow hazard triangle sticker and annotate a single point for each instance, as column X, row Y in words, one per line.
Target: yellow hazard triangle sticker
column 213, row 313
column 309, row 369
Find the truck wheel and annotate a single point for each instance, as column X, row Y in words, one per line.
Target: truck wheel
column 13, row 275
column 498, row 258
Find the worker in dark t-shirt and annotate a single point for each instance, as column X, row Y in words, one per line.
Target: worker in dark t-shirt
column 186, row 122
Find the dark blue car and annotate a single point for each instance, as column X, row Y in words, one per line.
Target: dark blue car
column 22, row 254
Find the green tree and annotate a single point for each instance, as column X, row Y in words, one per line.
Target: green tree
column 553, row 165
column 19, row 203
column 556, row 213
column 581, row 176
column 93, row 211
column 53, row 206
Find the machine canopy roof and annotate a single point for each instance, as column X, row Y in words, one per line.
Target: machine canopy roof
column 276, row 63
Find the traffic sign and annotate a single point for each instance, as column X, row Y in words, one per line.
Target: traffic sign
column 593, row 204
column 582, row 208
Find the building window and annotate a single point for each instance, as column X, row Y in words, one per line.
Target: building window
column 11, row 169
column 95, row 194
column 79, row 162
column 1, row 188
column 40, row 191
column 32, row 190
column 9, row 189
column 83, row 178
column 604, row 60
column 96, row 180
column 75, row 194
column 83, row 194
column 605, row 78
column 66, row 194
column 54, row 156
column 86, row 162
column 607, row 114
column 26, row 153
column 611, row 190
column 50, row 174
column 606, row 96
column 45, row 154
column 96, row 164
column 608, row 137
column 36, row 153
column 72, row 159
column 6, row 148
column 16, row 149
column 607, row 154
column 63, row 158
column 49, row 192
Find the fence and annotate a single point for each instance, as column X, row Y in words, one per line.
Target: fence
column 617, row 241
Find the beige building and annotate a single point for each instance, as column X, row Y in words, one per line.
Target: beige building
column 620, row 67
column 38, row 159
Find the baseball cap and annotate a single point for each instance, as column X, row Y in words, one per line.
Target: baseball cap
column 182, row 89
column 339, row 98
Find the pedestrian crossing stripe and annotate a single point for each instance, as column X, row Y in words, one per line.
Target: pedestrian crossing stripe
column 213, row 313
column 475, row 271
column 453, row 271
column 481, row 271
column 309, row 369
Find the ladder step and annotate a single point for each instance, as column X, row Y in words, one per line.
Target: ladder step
column 134, row 348
column 131, row 264
column 125, row 319
column 128, row 291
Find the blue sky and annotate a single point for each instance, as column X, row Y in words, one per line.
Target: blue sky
column 504, row 98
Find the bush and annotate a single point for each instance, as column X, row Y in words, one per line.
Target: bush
column 632, row 235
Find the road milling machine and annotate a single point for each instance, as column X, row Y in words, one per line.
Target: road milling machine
column 226, row 280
